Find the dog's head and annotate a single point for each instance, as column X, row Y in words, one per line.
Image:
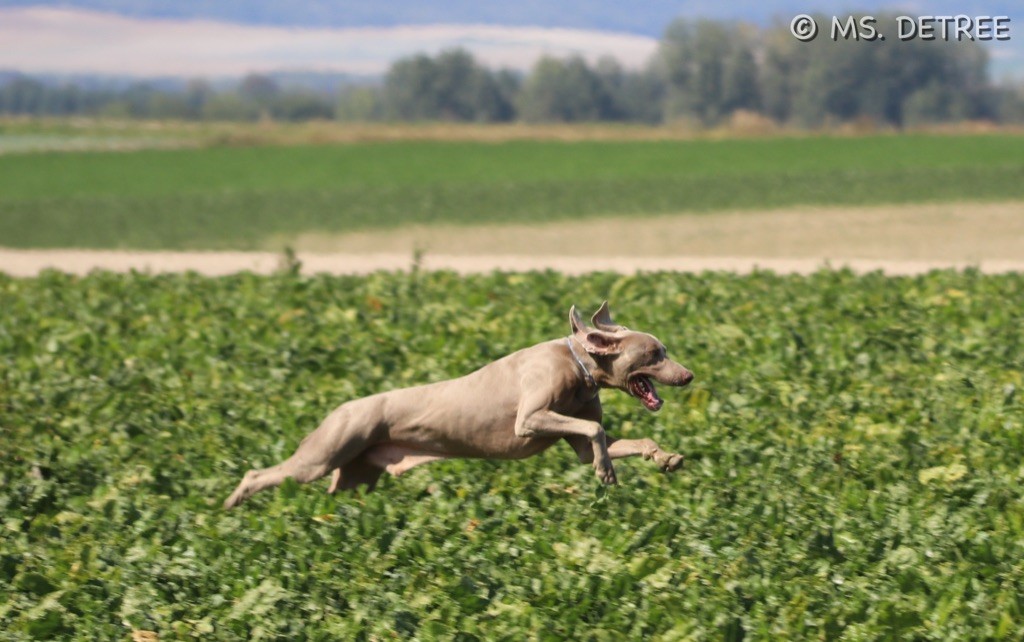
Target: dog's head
column 627, row 360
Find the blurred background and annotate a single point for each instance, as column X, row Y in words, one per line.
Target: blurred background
column 256, row 125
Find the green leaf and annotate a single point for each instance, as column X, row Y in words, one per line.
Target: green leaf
column 36, row 583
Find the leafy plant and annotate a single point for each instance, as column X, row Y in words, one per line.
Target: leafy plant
column 854, row 464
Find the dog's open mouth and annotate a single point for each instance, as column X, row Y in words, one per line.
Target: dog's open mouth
column 641, row 387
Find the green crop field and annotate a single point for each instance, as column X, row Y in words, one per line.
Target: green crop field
column 855, row 462
column 242, row 197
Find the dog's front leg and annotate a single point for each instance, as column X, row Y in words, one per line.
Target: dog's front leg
column 543, row 422
column 647, row 449
column 619, row 448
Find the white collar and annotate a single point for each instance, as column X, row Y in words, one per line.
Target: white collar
column 586, row 373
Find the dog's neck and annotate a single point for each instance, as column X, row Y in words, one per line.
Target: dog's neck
column 587, row 375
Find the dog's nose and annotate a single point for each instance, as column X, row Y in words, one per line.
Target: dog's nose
column 686, row 377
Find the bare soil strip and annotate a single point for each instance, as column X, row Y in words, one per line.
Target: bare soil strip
column 896, row 240
column 937, row 232
column 27, row 263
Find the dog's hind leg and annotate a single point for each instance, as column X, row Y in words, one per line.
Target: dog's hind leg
column 335, row 443
column 257, row 480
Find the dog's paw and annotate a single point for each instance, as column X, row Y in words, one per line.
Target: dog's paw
column 606, row 474
column 671, row 463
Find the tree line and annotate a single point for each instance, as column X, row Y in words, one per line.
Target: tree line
column 703, row 72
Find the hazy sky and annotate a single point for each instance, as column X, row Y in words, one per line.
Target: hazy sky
column 46, row 40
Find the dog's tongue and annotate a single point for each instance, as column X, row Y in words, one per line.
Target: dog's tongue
column 648, row 394
column 653, row 401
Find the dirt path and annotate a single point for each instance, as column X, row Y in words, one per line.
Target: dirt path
column 897, row 240
column 24, row 263
column 946, row 232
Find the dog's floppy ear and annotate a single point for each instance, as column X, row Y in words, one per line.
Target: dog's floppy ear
column 593, row 341
column 602, row 320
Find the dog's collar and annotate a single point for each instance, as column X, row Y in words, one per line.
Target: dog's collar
column 586, row 373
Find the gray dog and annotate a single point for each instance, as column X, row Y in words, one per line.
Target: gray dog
column 512, row 408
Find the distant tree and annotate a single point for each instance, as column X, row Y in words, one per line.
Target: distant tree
column 780, row 73
column 930, row 104
column 493, row 96
column 360, row 104
column 563, row 91
column 22, row 96
column 455, row 84
column 168, row 106
column 703, row 71
column 887, row 81
column 300, row 106
column 709, row 68
column 138, row 99
column 408, row 88
column 198, row 92
column 452, row 86
column 1008, row 104
column 509, row 84
column 230, row 106
column 258, row 88
column 740, row 84
column 612, row 78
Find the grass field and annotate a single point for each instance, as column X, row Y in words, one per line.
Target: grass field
column 245, row 197
column 855, row 462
